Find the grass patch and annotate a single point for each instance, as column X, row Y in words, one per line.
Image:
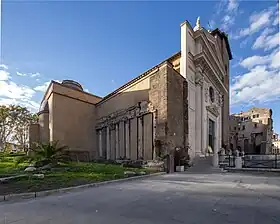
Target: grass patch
column 65, row 175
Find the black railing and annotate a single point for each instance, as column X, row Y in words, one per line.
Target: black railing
column 226, row 161
column 261, row 161
column 252, row 161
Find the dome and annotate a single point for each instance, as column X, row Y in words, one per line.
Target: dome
column 72, row 84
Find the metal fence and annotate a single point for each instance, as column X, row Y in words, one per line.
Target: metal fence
column 261, row 161
column 252, row 161
column 226, row 161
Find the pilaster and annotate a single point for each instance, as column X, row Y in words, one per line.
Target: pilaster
column 117, row 142
column 108, row 145
column 100, row 143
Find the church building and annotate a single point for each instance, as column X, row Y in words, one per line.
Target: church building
column 182, row 102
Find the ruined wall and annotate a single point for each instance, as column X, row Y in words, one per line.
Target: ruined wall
column 175, row 110
column 158, row 97
column 131, row 120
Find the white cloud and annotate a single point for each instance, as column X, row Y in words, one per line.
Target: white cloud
column 257, row 21
column 270, row 60
column 21, row 74
column 232, row 5
column 4, row 66
column 227, row 21
column 266, row 42
column 34, row 75
column 252, row 61
column 275, row 63
column 29, row 104
column 258, row 85
column 260, row 40
column 42, row 88
column 7, row 101
column 14, row 91
column 230, row 12
column 276, row 20
column 4, row 75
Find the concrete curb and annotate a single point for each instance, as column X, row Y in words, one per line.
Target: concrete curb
column 253, row 169
column 30, row 195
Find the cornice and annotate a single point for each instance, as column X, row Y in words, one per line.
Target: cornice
column 204, row 38
column 42, row 112
column 202, row 61
column 213, row 110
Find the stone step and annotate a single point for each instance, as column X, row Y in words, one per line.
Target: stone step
column 204, row 164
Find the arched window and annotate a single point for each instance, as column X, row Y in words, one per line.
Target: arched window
column 211, row 94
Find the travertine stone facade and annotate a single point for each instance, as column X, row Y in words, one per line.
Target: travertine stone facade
column 251, row 131
column 181, row 103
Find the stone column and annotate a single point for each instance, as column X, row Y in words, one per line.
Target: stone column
column 108, row 143
column 117, row 142
column 148, row 135
column 100, row 143
column 127, row 140
column 121, row 139
column 220, row 127
column 198, row 120
column 204, row 128
column 133, row 139
column 216, row 139
column 154, row 134
column 140, row 138
column 113, row 143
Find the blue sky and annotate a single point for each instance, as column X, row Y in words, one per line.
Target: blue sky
column 102, row 45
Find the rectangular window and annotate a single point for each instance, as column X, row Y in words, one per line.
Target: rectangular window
column 257, row 115
column 254, row 116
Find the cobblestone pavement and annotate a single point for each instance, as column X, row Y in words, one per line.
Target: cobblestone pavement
column 175, row 198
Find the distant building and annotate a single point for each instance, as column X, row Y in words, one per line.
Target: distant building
column 275, row 143
column 275, row 136
column 252, row 131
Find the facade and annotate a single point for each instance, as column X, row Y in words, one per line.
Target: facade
column 251, row 131
column 275, row 143
column 182, row 102
column 275, row 136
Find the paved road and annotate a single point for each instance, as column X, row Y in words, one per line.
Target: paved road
column 177, row 198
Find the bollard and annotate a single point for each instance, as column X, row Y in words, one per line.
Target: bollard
column 238, row 162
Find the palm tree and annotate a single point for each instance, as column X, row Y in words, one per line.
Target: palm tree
column 46, row 153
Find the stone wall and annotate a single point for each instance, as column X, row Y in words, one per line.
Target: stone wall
column 158, row 97
column 71, row 122
column 127, row 134
column 176, row 107
column 133, row 128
